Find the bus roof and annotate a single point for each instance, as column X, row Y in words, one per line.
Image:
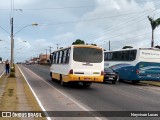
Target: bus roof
column 79, row 45
column 135, row 49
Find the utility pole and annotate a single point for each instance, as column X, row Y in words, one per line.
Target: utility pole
column 109, row 45
column 12, row 43
column 50, row 49
column 46, row 54
column 57, row 46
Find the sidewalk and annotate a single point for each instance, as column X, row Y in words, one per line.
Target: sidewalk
column 15, row 95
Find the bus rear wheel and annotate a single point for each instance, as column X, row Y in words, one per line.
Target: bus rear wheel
column 135, row 81
column 51, row 76
column 61, row 81
column 87, row 85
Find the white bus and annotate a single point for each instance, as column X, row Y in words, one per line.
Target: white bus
column 78, row 63
column 134, row 64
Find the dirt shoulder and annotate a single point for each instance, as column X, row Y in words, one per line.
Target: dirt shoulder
column 15, row 95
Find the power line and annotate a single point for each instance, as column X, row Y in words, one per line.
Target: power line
column 113, row 28
column 133, row 18
column 127, row 38
column 119, row 26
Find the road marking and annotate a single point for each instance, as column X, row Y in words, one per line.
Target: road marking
column 78, row 104
column 40, row 104
column 2, row 74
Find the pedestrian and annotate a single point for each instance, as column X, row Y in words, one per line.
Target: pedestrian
column 7, row 67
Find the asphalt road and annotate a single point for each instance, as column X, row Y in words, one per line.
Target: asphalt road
column 99, row 97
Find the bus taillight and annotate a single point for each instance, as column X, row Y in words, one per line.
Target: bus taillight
column 137, row 71
column 71, row 71
column 102, row 72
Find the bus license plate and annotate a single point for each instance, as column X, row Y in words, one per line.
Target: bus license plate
column 87, row 79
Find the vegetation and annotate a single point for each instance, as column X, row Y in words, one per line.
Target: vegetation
column 12, row 71
column 125, row 47
column 78, row 41
column 154, row 24
column 157, row 46
column 91, row 44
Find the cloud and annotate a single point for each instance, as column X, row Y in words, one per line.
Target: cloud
column 123, row 29
column 64, row 39
column 122, row 22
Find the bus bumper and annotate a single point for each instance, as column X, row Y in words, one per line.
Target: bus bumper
column 76, row 78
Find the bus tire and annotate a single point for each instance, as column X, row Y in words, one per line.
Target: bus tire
column 135, row 81
column 87, row 85
column 51, row 76
column 114, row 81
column 61, row 81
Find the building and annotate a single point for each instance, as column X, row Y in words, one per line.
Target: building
column 44, row 58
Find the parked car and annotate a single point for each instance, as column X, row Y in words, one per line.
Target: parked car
column 110, row 75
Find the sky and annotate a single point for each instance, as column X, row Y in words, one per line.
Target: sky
column 122, row 22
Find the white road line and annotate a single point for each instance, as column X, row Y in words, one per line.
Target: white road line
column 40, row 104
column 2, row 74
column 78, row 104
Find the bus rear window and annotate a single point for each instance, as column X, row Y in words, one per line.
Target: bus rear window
column 90, row 55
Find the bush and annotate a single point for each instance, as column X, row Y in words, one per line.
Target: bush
column 12, row 74
column 12, row 71
column 13, row 68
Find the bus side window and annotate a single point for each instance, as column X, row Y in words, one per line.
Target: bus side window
column 105, row 56
column 133, row 55
column 57, row 57
column 54, row 58
column 60, row 57
column 126, row 56
column 110, row 56
column 67, row 57
column 64, row 56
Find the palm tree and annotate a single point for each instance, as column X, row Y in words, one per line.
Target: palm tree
column 154, row 24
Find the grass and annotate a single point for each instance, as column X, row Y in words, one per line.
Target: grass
column 156, row 83
column 9, row 100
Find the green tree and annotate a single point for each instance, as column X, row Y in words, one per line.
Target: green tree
column 157, row 46
column 91, row 44
column 125, row 47
column 78, row 41
column 0, row 59
column 154, row 24
column 94, row 44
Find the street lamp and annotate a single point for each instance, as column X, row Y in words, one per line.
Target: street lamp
column 33, row 24
column 20, row 42
column 12, row 38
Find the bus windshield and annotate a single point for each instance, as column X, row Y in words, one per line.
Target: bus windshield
column 91, row 55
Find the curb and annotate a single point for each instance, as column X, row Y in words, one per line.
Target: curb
column 150, row 84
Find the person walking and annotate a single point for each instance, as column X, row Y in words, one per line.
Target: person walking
column 7, row 67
